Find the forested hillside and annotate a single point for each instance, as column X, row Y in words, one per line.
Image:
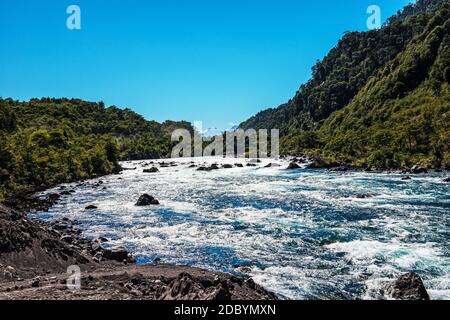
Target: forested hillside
column 393, row 81
column 49, row 141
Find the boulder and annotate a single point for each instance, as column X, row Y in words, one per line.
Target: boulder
column 293, row 166
column 447, row 180
column 146, row 200
column 272, row 165
column 54, row 196
column 116, row 254
column 35, row 283
column 214, row 167
column 227, row 166
column 211, row 168
column 238, row 165
column 408, row 287
column 91, row 207
column 151, row 170
column 418, row 169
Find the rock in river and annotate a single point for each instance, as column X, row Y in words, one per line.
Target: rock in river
column 293, row 166
column 408, row 287
column 146, row 200
column 151, row 170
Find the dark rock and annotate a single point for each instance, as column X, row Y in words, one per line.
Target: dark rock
column 364, row 195
column 146, row 200
column 151, row 170
column 447, row 180
column 408, row 287
column 101, row 239
column 406, row 178
column 116, row 254
column 251, row 165
column 211, row 168
column 67, row 238
column 91, row 207
column 339, row 169
column 272, row 165
column 238, row 165
column 293, row 166
column 418, row 169
column 227, row 166
column 35, row 283
column 54, row 197
column 214, row 167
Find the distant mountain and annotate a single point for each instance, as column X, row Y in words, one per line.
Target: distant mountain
column 334, row 103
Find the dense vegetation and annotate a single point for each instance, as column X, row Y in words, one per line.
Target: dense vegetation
column 380, row 98
column 49, row 141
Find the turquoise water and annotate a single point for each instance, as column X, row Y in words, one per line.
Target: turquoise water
column 304, row 234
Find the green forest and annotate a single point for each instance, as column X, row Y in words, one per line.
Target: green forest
column 44, row 142
column 379, row 99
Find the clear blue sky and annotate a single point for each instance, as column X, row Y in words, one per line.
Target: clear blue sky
column 219, row 61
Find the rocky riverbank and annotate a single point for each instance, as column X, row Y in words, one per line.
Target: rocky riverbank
column 35, row 255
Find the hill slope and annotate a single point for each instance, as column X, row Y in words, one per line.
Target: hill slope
column 401, row 116
column 48, row 141
column 340, row 85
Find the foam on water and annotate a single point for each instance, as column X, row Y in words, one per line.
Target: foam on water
column 305, row 234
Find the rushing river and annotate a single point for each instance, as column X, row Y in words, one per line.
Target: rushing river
column 304, row 234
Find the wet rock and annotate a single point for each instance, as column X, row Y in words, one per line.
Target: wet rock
column 447, row 180
column 339, row 169
column 102, row 239
column 227, row 166
column 238, row 165
column 54, row 196
column 272, row 165
column 151, row 170
column 91, row 207
column 251, row 165
column 408, row 287
column 293, row 166
column 364, row 195
column 116, row 254
column 210, row 168
column 146, row 200
column 406, row 178
column 418, row 170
